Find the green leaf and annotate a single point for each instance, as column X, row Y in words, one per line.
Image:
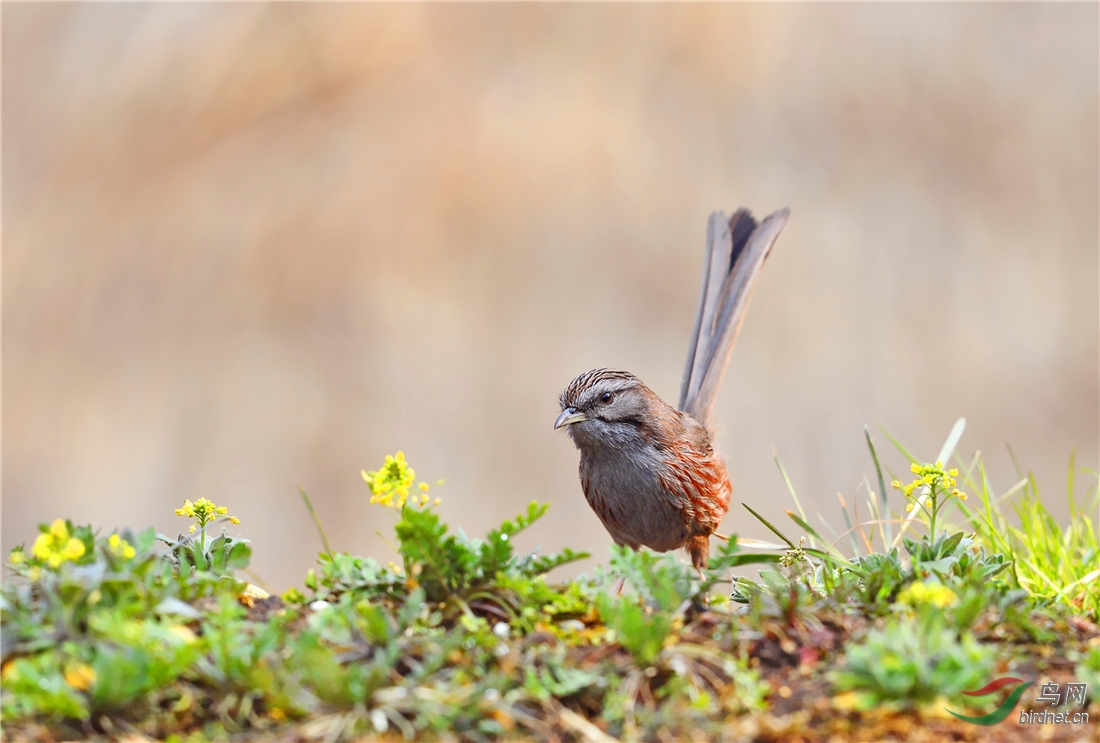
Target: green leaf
column 952, row 441
column 898, row 445
column 240, row 554
column 947, row 547
column 765, row 522
column 884, row 506
column 642, row 633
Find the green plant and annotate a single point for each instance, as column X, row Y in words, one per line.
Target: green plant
column 464, row 576
column 130, row 657
column 1051, row 562
column 223, row 554
column 877, row 579
column 465, row 638
column 912, row 663
column 693, row 693
column 36, row 685
column 341, row 573
column 1087, row 669
column 106, row 623
column 643, row 621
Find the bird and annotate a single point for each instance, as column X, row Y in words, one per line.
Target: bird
column 650, row 471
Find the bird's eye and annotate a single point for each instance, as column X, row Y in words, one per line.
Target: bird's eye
column 606, row 397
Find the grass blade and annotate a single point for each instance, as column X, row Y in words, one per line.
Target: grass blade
column 765, row 522
column 848, row 525
column 876, row 514
column 790, row 486
column 952, row 441
column 760, row 544
column 859, row 525
column 825, row 523
column 899, row 446
column 1069, row 483
column 1012, row 455
column 316, row 521
column 823, row 555
column 802, row 522
column 810, row 530
column 881, row 484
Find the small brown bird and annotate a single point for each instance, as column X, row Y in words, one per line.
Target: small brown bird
column 650, row 471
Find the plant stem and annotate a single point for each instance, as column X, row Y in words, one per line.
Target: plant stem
column 932, row 514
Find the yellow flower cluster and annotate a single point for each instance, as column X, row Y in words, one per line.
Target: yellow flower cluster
column 932, row 476
column 934, row 594
column 203, row 511
column 120, row 547
column 80, row 676
column 389, row 486
column 57, row 545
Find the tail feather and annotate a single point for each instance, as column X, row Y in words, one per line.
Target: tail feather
column 736, row 250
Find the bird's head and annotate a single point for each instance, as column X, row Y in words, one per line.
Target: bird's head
column 605, row 407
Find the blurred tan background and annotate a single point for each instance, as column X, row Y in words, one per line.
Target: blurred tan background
column 246, row 244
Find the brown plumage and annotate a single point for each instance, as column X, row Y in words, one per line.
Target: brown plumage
column 648, row 470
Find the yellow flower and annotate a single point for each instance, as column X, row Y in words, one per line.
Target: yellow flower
column 935, row 480
column 16, row 557
column 203, row 511
column 935, row 594
column 74, row 549
column 389, row 485
column 80, row 676
column 41, row 548
column 120, row 547
column 57, row 546
column 896, row 484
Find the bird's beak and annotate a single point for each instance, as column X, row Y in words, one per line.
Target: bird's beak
column 568, row 417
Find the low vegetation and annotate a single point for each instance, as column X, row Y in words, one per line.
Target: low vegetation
column 134, row 634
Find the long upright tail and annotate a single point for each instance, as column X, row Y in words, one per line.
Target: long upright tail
column 736, row 249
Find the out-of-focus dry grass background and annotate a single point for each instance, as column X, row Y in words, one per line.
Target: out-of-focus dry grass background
column 248, row 244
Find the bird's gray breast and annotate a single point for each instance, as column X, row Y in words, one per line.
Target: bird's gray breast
column 623, row 486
